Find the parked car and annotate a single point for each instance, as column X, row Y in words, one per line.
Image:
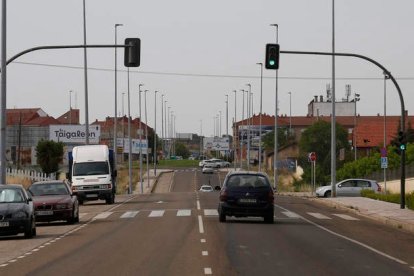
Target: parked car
column 54, row 201
column 206, row 188
column 16, row 211
column 349, row 187
column 219, row 163
column 246, row 194
column 202, row 163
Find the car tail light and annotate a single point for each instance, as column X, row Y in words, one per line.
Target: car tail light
column 271, row 196
column 223, row 195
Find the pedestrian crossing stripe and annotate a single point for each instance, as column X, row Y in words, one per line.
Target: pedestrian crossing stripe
column 156, row 213
column 318, row 216
column 129, row 214
column 210, row 212
column 291, row 214
column 103, row 215
column 184, row 213
column 346, row 217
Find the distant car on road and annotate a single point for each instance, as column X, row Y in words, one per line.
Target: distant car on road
column 349, row 187
column 246, row 194
column 206, row 188
column 16, row 211
column 208, row 168
column 219, row 163
column 54, row 201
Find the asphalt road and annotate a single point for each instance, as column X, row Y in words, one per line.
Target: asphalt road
column 175, row 231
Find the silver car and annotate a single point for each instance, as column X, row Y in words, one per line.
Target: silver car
column 349, row 187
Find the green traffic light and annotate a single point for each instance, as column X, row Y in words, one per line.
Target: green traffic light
column 402, row 147
column 271, row 62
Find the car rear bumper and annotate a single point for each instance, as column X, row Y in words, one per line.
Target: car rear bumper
column 93, row 195
column 57, row 215
column 245, row 211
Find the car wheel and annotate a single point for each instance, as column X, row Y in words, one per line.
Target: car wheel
column 269, row 218
column 222, row 217
column 30, row 230
column 327, row 194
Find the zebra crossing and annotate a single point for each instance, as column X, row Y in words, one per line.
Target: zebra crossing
column 206, row 212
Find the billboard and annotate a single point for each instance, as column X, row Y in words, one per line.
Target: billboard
column 216, row 143
column 74, row 134
column 136, row 144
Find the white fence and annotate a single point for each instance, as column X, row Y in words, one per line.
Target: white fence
column 33, row 175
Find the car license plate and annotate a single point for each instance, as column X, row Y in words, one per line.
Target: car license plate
column 91, row 195
column 44, row 213
column 4, row 224
column 247, row 200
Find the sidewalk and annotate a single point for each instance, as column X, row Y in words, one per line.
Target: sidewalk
column 148, row 184
column 385, row 212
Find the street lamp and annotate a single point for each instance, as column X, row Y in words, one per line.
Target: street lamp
column 355, row 100
column 248, row 123
column 260, row 115
column 236, row 130
column 290, row 113
column 129, row 139
column 70, row 107
column 155, row 133
column 276, row 113
column 227, row 124
column 242, row 134
column 386, row 77
column 116, row 98
column 146, row 135
column 85, row 69
column 140, row 140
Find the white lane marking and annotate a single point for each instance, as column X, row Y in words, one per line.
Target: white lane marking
column 3, row 265
column 291, row 214
column 346, row 217
column 198, row 205
column 184, row 213
column 210, row 212
column 203, row 240
column 318, row 216
column 208, row 271
column 351, row 240
column 157, row 213
column 204, row 253
column 103, row 215
column 130, row 214
column 200, row 225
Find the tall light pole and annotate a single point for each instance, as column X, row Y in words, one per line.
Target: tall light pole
column 333, row 119
column 155, row 132
column 129, row 140
column 260, row 115
column 248, row 123
column 140, row 140
column 386, row 77
column 85, row 67
column 116, row 99
column 236, row 130
column 162, row 124
column 242, row 135
column 220, row 124
column 290, row 113
column 276, row 115
column 356, row 99
column 3, row 93
column 70, row 107
column 227, row 124
column 146, row 134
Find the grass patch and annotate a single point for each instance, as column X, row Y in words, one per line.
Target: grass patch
column 390, row 197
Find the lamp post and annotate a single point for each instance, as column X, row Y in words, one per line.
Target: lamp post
column 162, row 124
column 236, row 130
column 146, row 134
column 140, row 140
column 116, row 99
column 260, row 115
column 386, row 77
column 70, row 107
column 356, row 99
column 227, row 124
column 242, row 135
column 248, row 123
column 155, row 132
column 85, row 69
column 129, row 140
column 276, row 113
column 290, row 113
column 219, row 124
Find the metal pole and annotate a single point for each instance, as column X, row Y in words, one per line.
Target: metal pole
column 3, row 93
column 116, row 100
column 155, row 132
column 129, row 140
column 275, row 180
column 86, row 77
column 162, row 124
column 290, row 113
column 140, row 141
column 146, row 135
column 333, row 121
column 70, row 107
column 260, row 115
column 242, row 136
column 385, row 126
column 248, row 124
column 227, row 124
column 236, row 130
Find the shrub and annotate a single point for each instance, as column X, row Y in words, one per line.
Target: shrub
column 390, row 197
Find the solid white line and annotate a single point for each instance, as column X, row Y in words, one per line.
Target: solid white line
column 200, row 225
column 198, row 205
column 349, row 239
column 208, row 271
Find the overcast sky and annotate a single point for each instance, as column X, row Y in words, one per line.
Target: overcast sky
column 196, row 52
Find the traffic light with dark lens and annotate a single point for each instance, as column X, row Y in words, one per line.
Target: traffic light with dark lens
column 272, row 56
column 132, row 53
column 401, row 140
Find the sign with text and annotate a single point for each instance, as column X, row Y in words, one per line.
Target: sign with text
column 136, row 145
column 75, row 134
column 216, row 143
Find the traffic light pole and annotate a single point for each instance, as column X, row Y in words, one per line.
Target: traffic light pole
column 402, row 185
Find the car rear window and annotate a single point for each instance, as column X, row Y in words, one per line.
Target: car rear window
column 247, row 181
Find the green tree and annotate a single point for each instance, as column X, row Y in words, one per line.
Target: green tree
column 49, row 155
column 181, row 150
column 317, row 138
column 269, row 139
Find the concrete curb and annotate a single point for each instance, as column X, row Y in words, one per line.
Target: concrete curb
column 156, row 179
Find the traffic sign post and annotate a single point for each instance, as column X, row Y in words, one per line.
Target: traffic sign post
column 312, row 159
column 384, row 162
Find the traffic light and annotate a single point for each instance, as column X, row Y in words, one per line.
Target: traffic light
column 132, row 53
column 401, row 140
column 272, row 56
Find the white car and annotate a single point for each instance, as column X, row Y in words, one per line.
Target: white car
column 349, row 187
column 206, row 188
column 219, row 163
column 208, row 168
